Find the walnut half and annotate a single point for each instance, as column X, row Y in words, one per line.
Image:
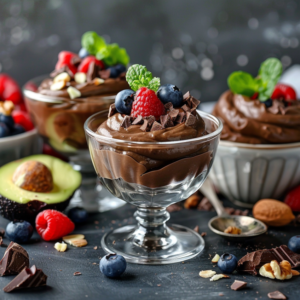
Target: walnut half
column 273, row 270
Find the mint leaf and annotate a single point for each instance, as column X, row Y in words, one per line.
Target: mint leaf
column 112, row 54
column 138, row 76
column 123, row 57
column 265, row 89
column 92, row 42
column 242, row 83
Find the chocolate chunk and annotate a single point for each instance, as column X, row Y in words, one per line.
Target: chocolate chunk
column 169, row 106
column 166, row 121
column 104, row 74
column 276, row 295
column 112, row 110
column 14, row 260
column 194, row 102
column 186, row 96
column 156, row 126
column 126, row 122
column 75, row 60
column 28, row 278
column 92, row 72
column 122, row 76
column 238, row 285
column 190, row 119
column 186, row 108
column 144, row 127
column 205, row 205
column 150, row 120
column 61, row 70
column 180, row 118
column 173, row 114
column 138, row 120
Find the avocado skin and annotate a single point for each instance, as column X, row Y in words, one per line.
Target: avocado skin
column 12, row 210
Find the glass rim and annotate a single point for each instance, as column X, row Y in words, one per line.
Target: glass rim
column 204, row 138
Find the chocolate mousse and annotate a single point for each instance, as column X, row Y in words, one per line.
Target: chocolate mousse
column 258, row 110
column 153, row 164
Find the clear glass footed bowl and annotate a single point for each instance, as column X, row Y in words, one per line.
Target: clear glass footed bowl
column 153, row 176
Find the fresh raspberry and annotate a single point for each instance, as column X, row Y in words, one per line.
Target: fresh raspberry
column 52, row 224
column 254, row 96
column 9, row 89
column 49, row 151
column 147, row 104
column 84, row 65
column 292, row 199
column 65, row 59
column 22, row 118
column 284, row 91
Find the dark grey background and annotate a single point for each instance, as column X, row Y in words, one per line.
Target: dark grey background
column 193, row 43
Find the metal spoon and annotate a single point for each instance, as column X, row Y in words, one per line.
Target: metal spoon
column 249, row 226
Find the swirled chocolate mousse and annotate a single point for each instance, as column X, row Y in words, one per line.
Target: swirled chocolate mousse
column 81, row 85
column 144, row 115
column 258, row 110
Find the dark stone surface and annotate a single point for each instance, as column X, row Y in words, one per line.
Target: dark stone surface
column 177, row 281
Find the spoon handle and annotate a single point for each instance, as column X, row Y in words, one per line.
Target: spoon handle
column 208, row 191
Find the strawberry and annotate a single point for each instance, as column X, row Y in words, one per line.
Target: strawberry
column 285, row 92
column 254, row 96
column 147, row 104
column 292, row 199
column 52, row 224
column 9, row 89
column 84, row 65
column 65, row 58
column 22, row 118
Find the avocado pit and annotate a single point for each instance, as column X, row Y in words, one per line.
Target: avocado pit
column 33, row 176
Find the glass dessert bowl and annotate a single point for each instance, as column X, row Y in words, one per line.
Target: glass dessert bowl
column 125, row 168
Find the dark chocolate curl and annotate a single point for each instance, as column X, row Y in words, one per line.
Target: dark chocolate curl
column 126, row 122
column 156, row 126
column 138, row 120
column 112, row 110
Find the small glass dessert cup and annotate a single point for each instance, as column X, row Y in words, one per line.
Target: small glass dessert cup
column 59, row 122
column 120, row 167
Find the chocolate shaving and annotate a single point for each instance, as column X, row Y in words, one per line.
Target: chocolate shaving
column 190, row 119
column 112, row 110
column 77, row 273
column 126, row 122
column 173, row 114
column 186, row 96
column 156, row 126
column 138, row 120
column 277, row 107
column 104, row 74
column 61, row 70
column 75, row 60
column 28, row 278
column 14, row 260
column 166, row 121
column 186, row 108
column 169, row 106
column 144, row 127
column 180, row 118
column 238, row 285
column 92, row 72
column 277, row 295
column 194, row 102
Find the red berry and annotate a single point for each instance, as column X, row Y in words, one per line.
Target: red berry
column 49, row 151
column 292, row 199
column 9, row 89
column 22, row 118
column 31, row 86
column 147, row 104
column 65, row 59
column 284, row 91
column 52, row 224
column 254, row 96
column 84, row 65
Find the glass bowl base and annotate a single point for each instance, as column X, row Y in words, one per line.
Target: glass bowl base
column 186, row 244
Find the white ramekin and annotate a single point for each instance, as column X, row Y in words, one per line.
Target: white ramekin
column 246, row 173
column 18, row 146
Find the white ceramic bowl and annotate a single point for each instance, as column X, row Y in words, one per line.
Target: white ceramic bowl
column 18, row 146
column 246, row 173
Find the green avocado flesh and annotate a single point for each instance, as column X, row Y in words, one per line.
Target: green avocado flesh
column 65, row 181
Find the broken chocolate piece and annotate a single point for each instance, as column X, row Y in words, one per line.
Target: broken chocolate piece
column 166, row 121
column 28, row 278
column 61, row 70
column 238, row 285
column 75, row 60
column 126, row 122
column 186, row 96
column 169, row 106
column 156, row 126
column 276, row 295
column 190, row 119
column 92, row 72
column 144, row 127
column 180, row 118
column 138, row 120
column 14, row 260
column 104, row 74
column 173, row 114
column 194, row 102
column 186, row 108
column 112, row 110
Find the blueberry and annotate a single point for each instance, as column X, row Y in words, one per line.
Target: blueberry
column 120, row 68
column 268, row 103
column 170, row 93
column 18, row 129
column 4, row 131
column 113, row 265
column 227, row 263
column 124, row 101
column 83, row 53
column 19, row 232
column 294, row 244
column 8, row 121
column 78, row 215
column 114, row 73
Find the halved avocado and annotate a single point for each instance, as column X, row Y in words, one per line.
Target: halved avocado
column 20, row 204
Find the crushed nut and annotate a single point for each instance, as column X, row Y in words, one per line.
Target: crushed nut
column 218, row 277
column 80, row 77
column 273, row 270
column 215, row 258
column 295, row 273
column 56, row 86
column 76, row 240
column 207, row 273
column 73, row 93
column 79, row 243
column 64, row 76
column 233, row 230
column 77, row 274
column 98, row 81
column 61, row 247
column 7, row 107
column 192, row 201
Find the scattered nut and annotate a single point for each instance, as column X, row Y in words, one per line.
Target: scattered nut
column 192, row 201
column 71, row 237
column 61, row 247
column 207, row 273
column 64, row 76
column 73, row 93
column 79, row 243
column 218, row 277
column 56, row 86
column 98, row 81
column 274, row 270
column 215, row 258
column 77, row 274
column 273, row 212
column 233, row 230
column 6, row 107
column 80, row 77
column 295, row 273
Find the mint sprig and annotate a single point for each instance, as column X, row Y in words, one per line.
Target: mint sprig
column 269, row 73
column 138, row 76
